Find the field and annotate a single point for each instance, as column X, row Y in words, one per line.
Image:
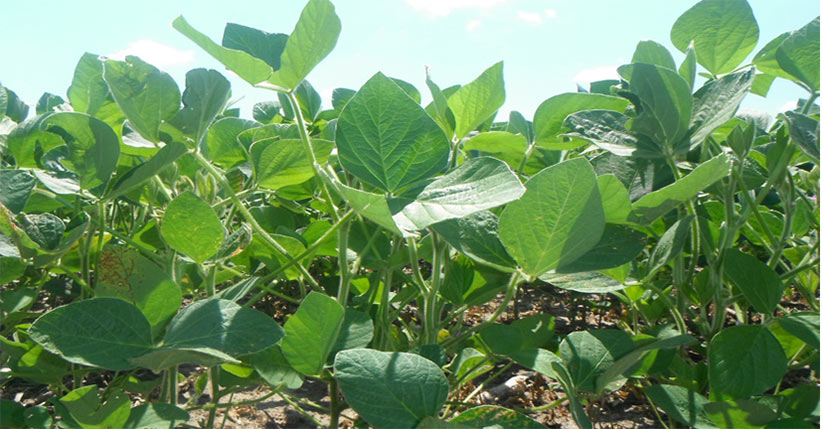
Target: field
column 637, row 254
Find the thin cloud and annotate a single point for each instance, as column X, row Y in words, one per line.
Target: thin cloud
column 596, row 73
column 533, row 18
column 443, row 8
column 157, row 54
column 790, row 105
column 472, row 25
column 550, row 13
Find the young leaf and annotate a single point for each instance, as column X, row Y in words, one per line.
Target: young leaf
column 688, row 67
column 283, row 162
column 585, row 282
column 93, row 147
column 475, row 102
column 803, row 325
column 88, row 91
column 804, row 131
column 313, row 38
column 85, row 407
column 798, row 54
column 155, row 415
column 221, row 143
column 476, row 236
column 260, row 44
column 206, row 94
column 716, row 102
column 724, row 32
column 494, row 416
column 684, row 405
column 758, row 282
column 101, row 332
column 650, row 52
column 190, row 226
column 312, row 332
column 386, row 139
column 390, row 389
column 745, row 361
column 558, row 218
column 146, row 95
column 17, row 186
column 671, row 243
column 588, row 354
column 499, row 144
column 549, row 116
column 145, row 171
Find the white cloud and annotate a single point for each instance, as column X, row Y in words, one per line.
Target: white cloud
column 533, row 18
column 550, row 13
column 790, row 105
column 155, row 53
column 596, row 73
column 443, row 8
column 472, row 25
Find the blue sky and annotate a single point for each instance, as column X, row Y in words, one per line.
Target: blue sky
column 547, row 45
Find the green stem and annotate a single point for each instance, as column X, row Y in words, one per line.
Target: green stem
column 172, row 385
column 807, row 107
column 335, row 402
column 345, row 270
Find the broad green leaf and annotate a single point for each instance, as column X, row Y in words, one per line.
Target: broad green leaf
column 742, row 414
column 499, row 144
column 386, row 139
column 606, row 130
column 502, row 339
column 766, row 62
column 250, row 69
column 273, row 367
column 390, row 390
column 372, row 206
column 758, row 282
column 16, row 109
column 439, row 106
column 192, row 227
column 798, row 54
column 666, row 102
column 45, row 229
column 146, row 95
column 615, row 199
column 123, row 273
column 257, row 43
column 679, row 403
column 145, row 171
column 671, row 243
column 657, row 203
column 476, row 237
column 494, row 416
column 724, row 32
column 12, row 413
column 550, row 115
column 357, row 330
column 88, row 91
column 478, row 184
column 588, row 354
column 650, row 52
column 716, row 102
column 313, row 38
column 283, row 162
column 312, row 332
column 475, row 102
column 587, row 282
column 205, row 96
column 804, row 131
column 17, row 186
column 618, row 245
column 688, row 67
column 86, row 408
column 101, row 332
column 517, row 124
column 155, row 415
column 48, row 102
column 27, row 142
column 803, row 325
column 222, row 325
column 264, row 112
column 169, row 356
column 745, row 360
column 540, row 360
column 622, row 365
column 558, row 218
column 222, row 145
column 92, row 146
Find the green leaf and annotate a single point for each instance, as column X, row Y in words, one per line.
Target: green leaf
column 724, row 32
column 803, row 325
column 745, row 360
column 206, row 94
column 372, row 206
column 12, row 413
column 222, row 145
column 587, row 282
column 716, row 103
column 494, row 416
column 475, row 102
column 666, row 102
column 101, row 332
column 478, row 184
column 48, row 102
column 615, row 199
column 123, row 273
column 742, row 413
column 622, row 365
column 499, row 144
column 154, row 415
column 476, row 237
column 192, row 227
column 88, row 92
column 27, row 142
column 140, row 174
column 16, row 109
column 283, row 162
column 93, row 147
column 145, row 94
column 798, row 54
column 657, row 203
column 386, row 139
column 550, row 115
column 650, row 52
column 671, row 243
column 558, row 218
column 759, row 283
column 357, row 330
column 804, row 131
column 502, row 339
column 17, row 186
column 439, row 106
column 313, row 38
column 606, row 130
column 264, row 112
column 390, row 390
column 250, row 69
column 682, row 404
column 540, row 360
column 257, row 43
column 617, row 246
column 312, row 332
column 588, row 354
column 85, row 407
column 273, row 367
column 167, row 357
column 766, row 62
column 688, row 67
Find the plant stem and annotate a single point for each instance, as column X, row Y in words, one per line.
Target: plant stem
column 335, row 402
column 345, row 270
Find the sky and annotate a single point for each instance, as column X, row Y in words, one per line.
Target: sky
column 548, row 46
